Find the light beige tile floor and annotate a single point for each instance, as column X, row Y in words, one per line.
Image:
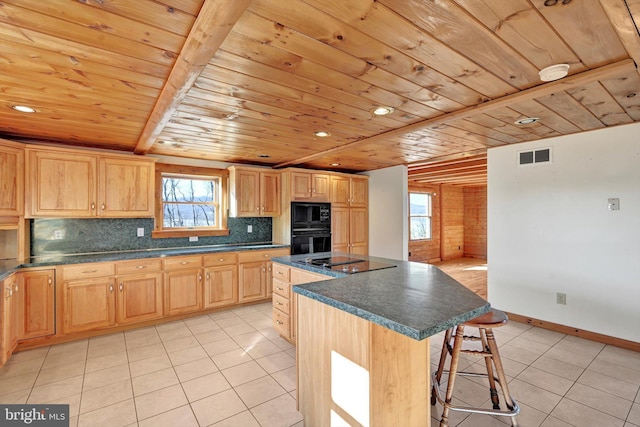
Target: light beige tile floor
column 231, row 369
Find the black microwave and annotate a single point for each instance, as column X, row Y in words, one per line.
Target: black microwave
column 310, row 215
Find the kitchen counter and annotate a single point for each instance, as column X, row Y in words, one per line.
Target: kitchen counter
column 7, row 267
column 414, row 299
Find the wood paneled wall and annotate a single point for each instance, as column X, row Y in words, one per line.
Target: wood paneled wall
column 475, row 222
column 459, row 224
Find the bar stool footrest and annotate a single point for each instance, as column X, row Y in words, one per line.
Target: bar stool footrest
column 505, row 413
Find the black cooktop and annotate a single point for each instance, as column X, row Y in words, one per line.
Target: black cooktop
column 346, row 264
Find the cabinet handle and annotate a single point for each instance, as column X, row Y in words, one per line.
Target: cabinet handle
column 103, row 206
column 257, row 208
column 264, row 270
column 8, row 293
column 280, row 289
column 221, row 260
column 269, row 269
column 50, row 281
column 121, row 286
column 200, row 277
column 279, row 322
column 280, row 272
column 184, row 262
column 111, row 287
column 90, row 271
column 141, row 266
column 279, row 303
column 208, row 276
column 262, row 208
column 93, row 206
column 16, row 289
column 266, row 255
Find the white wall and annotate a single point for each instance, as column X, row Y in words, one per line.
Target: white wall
column 388, row 229
column 550, row 230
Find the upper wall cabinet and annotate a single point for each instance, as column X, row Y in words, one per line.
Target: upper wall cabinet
column 310, row 186
column 349, row 191
column 11, row 179
column 254, row 192
column 77, row 184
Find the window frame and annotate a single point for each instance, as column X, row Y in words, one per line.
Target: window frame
column 430, row 214
column 188, row 172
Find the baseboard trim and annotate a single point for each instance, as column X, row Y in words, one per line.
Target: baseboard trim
column 593, row 336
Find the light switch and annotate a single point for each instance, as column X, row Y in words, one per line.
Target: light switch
column 614, row 204
column 249, row 228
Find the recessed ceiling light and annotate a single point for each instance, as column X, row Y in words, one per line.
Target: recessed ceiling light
column 264, row 156
column 554, row 72
column 382, row 110
column 23, row 109
column 526, row 121
column 334, row 164
column 322, row 134
column 168, row 142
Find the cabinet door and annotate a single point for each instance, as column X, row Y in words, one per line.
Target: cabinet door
column 300, row 185
column 270, row 194
column 89, row 304
column 340, row 229
column 359, row 193
column 252, row 283
column 62, row 184
column 359, row 231
column 321, row 187
column 221, row 286
column 35, row 304
column 182, row 291
column 125, row 188
column 6, row 316
column 339, row 192
column 247, row 193
column 139, row 297
column 11, row 181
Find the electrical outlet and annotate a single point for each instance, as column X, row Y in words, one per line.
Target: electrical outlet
column 561, row 298
column 140, row 232
column 58, row 235
column 193, row 238
column 249, row 228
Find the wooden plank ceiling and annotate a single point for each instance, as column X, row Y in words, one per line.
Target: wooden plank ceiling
column 251, row 81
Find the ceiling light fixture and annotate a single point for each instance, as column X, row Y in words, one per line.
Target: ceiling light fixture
column 264, row 156
column 526, row 121
column 168, row 142
column 321, row 134
column 382, row 110
column 334, row 164
column 23, row 108
column 554, row 72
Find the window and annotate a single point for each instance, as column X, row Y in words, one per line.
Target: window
column 419, row 216
column 190, row 201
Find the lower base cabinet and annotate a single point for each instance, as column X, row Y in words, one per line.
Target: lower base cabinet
column 221, row 286
column 8, row 312
column 139, row 298
column 35, row 304
column 89, row 304
column 182, row 291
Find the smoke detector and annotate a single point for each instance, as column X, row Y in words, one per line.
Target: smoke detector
column 554, row 72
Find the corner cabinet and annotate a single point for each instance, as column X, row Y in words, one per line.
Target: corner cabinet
column 35, row 304
column 80, row 184
column 254, row 192
column 11, row 179
column 8, row 313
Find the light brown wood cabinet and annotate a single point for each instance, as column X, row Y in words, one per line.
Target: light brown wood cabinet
column 139, row 291
column 183, row 285
column 11, row 179
column 89, row 304
column 35, row 304
column 254, row 273
column 350, row 230
column 349, row 191
column 254, row 192
column 67, row 183
column 8, row 316
column 285, row 300
column 221, row 280
column 310, row 186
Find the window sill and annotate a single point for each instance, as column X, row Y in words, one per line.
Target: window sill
column 163, row 234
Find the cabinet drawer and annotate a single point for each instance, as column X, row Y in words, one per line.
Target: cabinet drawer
column 139, row 266
column 281, row 272
column 266, row 255
column 281, row 303
column 180, row 262
column 281, row 323
column 82, row 271
column 298, row 277
column 222, row 258
column 281, row 288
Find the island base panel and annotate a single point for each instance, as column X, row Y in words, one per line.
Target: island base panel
column 354, row 372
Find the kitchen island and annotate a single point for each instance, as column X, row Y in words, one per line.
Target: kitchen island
column 363, row 338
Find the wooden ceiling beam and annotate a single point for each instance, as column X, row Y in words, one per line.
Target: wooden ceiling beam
column 211, row 27
column 460, row 160
column 621, row 14
column 452, row 172
column 446, row 166
column 564, row 84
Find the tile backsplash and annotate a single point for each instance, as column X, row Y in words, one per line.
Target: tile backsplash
column 62, row 236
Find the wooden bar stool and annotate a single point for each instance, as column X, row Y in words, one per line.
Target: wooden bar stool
column 485, row 324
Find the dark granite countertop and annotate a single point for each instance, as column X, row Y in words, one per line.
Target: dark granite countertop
column 414, row 299
column 7, row 267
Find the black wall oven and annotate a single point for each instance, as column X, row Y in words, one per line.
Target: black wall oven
column 310, row 227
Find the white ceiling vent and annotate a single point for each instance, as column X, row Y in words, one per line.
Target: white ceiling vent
column 534, row 157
